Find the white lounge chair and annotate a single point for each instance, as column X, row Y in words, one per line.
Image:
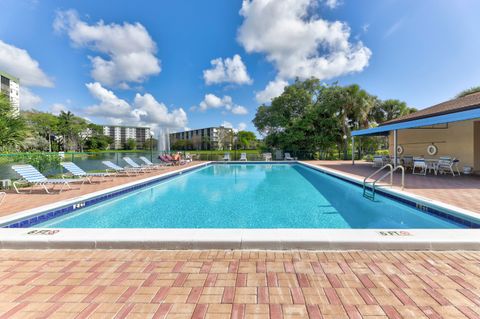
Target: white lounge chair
column 129, row 171
column 447, row 164
column 226, row 157
column 76, row 171
column 148, row 163
column 133, row 164
column 32, row 176
column 243, row 157
column 288, row 157
column 2, row 196
column 419, row 162
column 267, row 156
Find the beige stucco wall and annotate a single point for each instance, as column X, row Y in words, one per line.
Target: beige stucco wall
column 456, row 140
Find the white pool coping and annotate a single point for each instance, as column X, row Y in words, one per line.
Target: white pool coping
column 283, row 239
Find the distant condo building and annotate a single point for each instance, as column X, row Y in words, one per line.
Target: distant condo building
column 121, row 134
column 211, row 138
column 10, row 86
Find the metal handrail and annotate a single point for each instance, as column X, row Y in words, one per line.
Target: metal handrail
column 390, row 172
column 378, row 170
column 391, row 176
column 369, row 176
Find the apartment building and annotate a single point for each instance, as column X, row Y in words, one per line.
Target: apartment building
column 210, row 138
column 121, row 134
column 10, row 86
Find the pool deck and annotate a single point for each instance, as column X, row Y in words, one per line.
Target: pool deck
column 460, row 191
column 238, row 284
column 14, row 203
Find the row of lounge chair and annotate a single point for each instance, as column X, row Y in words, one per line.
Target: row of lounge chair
column 30, row 175
column 265, row 156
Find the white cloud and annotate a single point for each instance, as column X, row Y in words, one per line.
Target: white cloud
column 28, row 99
column 151, row 111
column 297, row 43
column 57, row 108
column 332, row 4
column 240, row 127
column 20, row 64
column 239, row 110
column 110, row 105
column 230, row 70
column 129, row 48
column 211, row 101
column 273, row 89
column 145, row 110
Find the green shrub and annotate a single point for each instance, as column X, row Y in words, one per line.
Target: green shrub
column 382, row 152
column 368, row 158
column 44, row 162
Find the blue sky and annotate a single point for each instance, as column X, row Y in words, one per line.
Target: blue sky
column 196, row 63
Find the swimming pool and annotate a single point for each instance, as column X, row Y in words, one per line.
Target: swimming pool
column 251, row 196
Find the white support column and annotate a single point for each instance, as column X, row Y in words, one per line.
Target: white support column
column 353, row 150
column 394, row 148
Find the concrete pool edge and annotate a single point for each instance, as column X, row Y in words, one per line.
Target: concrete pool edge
column 275, row 239
column 312, row 239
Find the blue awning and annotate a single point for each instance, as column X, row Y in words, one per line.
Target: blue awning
column 440, row 119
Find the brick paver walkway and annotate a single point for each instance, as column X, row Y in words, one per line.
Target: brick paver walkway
column 238, row 284
column 461, row 191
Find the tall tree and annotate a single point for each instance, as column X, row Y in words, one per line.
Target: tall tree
column 45, row 124
column 246, row 139
column 12, row 126
column 73, row 130
column 388, row 110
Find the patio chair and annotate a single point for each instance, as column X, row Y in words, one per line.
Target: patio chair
column 378, row 161
column 243, row 157
column 32, row 176
column 129, row 171
column 407, row 161
column 447, row 164
column 420, row 163
column 140, row 168
column 2, row 196
column 188, row 158
column 148, row 163
column 226, row 157
column 76, row 171
column 288, row 157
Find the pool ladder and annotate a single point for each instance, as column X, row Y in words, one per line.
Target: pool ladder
column 369, row 187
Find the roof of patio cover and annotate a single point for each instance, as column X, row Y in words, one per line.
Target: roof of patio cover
column 440, row 119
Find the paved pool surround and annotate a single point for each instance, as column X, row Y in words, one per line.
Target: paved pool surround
column 313, row 239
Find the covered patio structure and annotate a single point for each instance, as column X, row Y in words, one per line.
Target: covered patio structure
column 451, row 128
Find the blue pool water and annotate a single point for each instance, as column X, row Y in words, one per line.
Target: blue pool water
column 250, row 196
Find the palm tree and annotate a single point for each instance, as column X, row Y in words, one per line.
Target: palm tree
column 354, row 113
